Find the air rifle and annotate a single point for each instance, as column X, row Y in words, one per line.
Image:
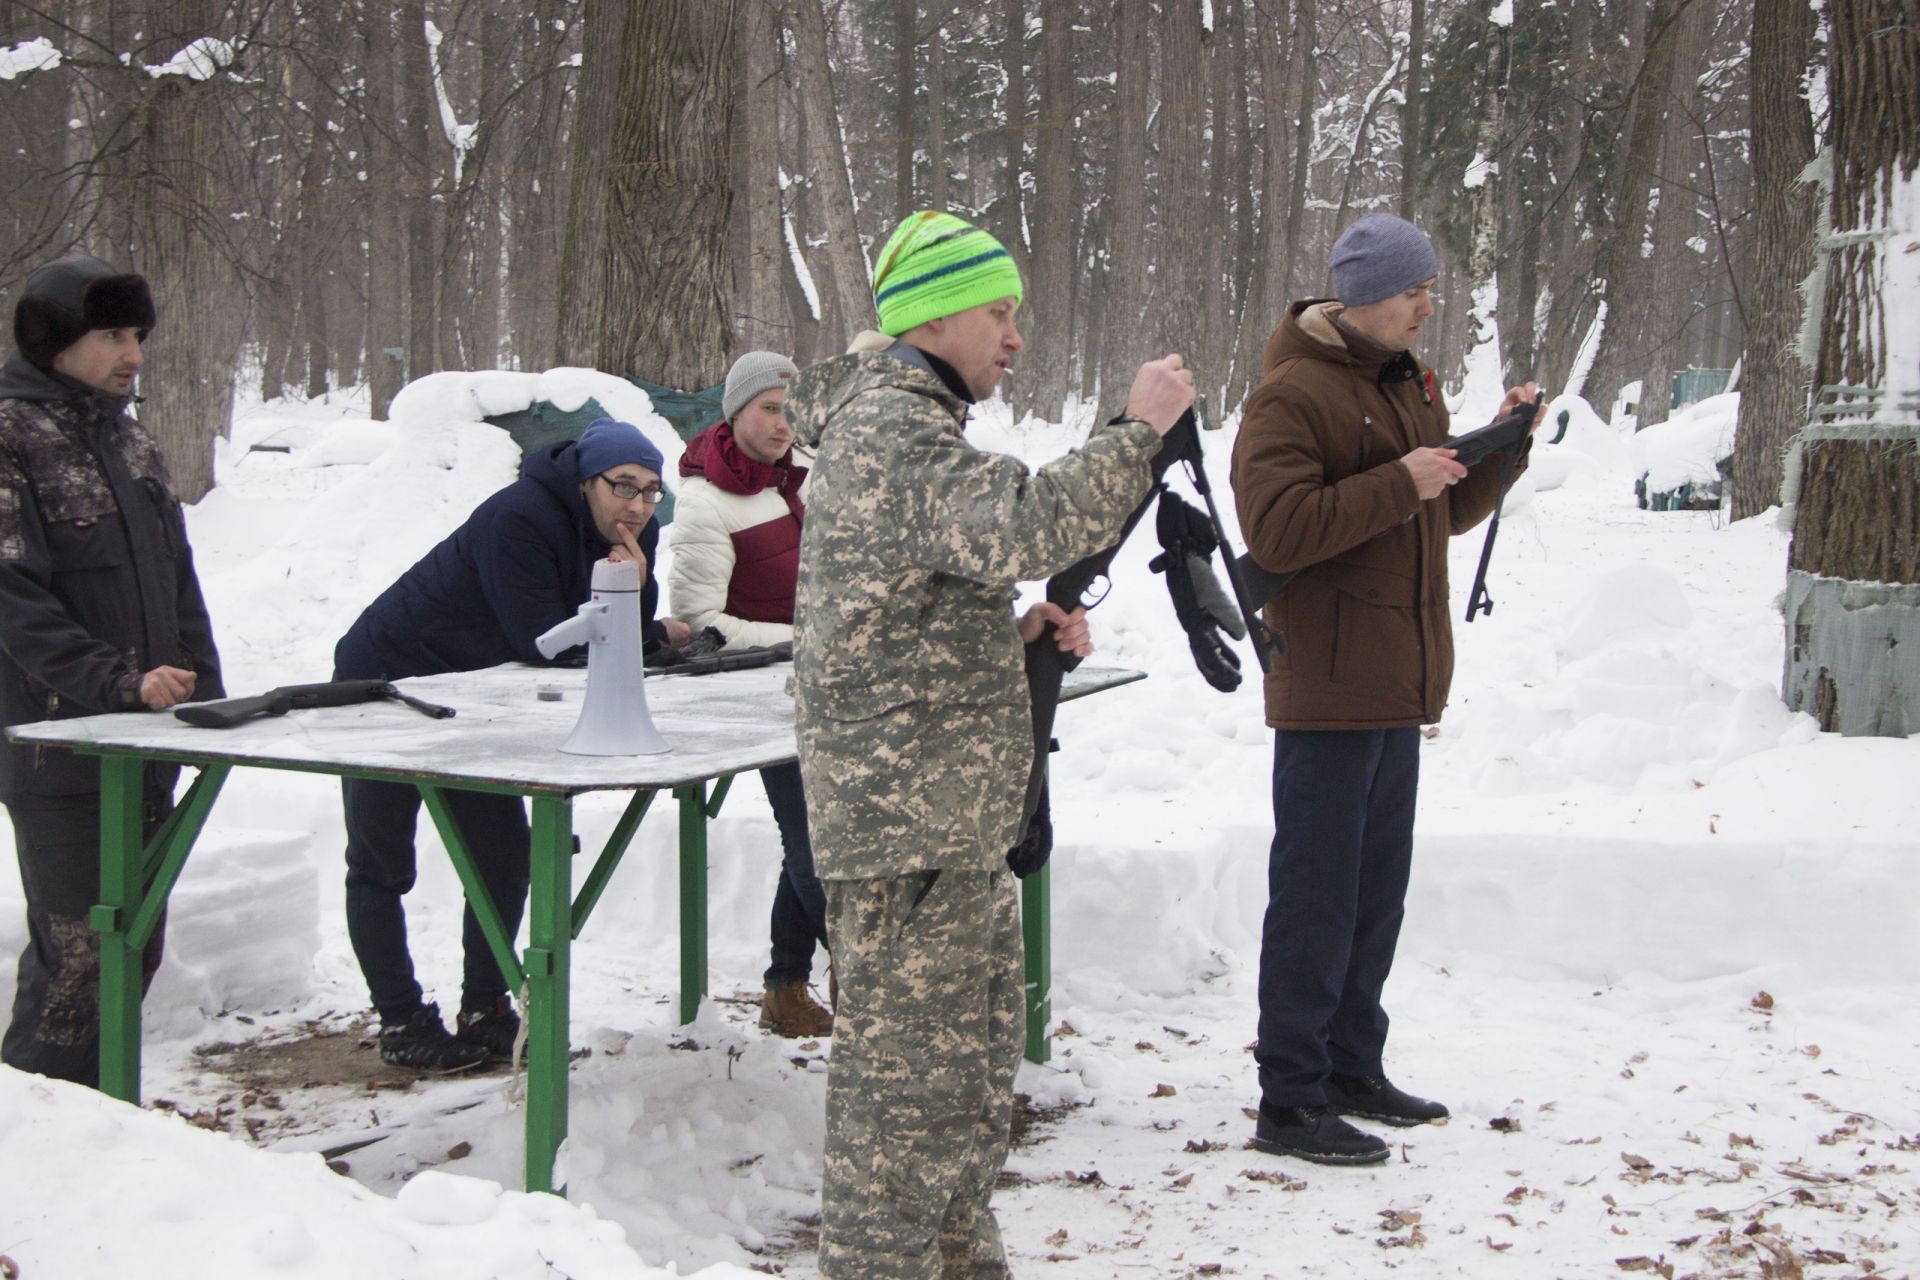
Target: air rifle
column 301, row 697
column 1506, row 435
column 1079, row 586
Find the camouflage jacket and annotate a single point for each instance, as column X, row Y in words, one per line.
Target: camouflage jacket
column 913, row 716
column 97, row 583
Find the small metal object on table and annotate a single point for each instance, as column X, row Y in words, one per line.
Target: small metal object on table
column 505, row 742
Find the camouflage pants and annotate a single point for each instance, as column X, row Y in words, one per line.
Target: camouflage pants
column 55, row 1029
column 927, row 1039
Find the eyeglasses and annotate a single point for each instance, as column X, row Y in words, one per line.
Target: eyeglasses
column 628, row 492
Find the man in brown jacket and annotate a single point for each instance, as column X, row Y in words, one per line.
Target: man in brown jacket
column 1337, row 474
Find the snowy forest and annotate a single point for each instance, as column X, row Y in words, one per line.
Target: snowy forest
column 1660, row 952
column 346, row 193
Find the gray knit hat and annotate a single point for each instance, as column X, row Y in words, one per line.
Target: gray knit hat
column 1379, row 256
column 751, row 374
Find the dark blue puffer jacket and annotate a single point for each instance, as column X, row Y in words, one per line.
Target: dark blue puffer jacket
column 522, row 563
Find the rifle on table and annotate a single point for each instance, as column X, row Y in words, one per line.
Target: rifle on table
column 301, row 697
column 1506, row 435
column 1198, row 602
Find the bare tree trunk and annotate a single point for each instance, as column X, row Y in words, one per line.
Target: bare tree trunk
column 1039, row 385
column 1123, row 340
column 1267, row 296
column 906, row 37
column 658, row 301
column 828, row 162
column 937, row 164
column 1410, row 122
column 181, row 211
column 764, row 325
column 1307, row 84
column 1484, row 178
column 419, row 186
column 386, row 225
column 1773, row 394
column 1852, row 602
column 1626, row 272
column 584, row 239
column 1180, row 248
column 1013, row 136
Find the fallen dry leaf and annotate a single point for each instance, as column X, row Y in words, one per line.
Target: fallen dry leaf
column 1163, row 1091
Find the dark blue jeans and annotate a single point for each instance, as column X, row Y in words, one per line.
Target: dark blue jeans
column 799, row 901
column 1336, row 891
column 381, row 817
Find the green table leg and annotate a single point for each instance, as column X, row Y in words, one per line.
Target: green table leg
column 548, row 958
column 696, row 807
column 121, row 867
column 1036, row 924
column 693, row 897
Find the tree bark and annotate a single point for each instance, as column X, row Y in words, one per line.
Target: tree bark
column 1179, row 250
column 1852, row 602
column 386, row 226
column 1626, row 271
column 658, row 301
column 1123, row 339
column 584, row 238
column 827, row 161
column 764, row 324
column 1410, row 123
column 419, row 186
column 1039, row 385
column 181, row 206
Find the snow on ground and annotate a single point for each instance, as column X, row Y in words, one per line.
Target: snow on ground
column 1659, row 952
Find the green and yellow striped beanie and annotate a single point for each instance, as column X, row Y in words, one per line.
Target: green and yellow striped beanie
column 934, row 265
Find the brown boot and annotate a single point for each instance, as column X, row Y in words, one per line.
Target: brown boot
column 788, row 1009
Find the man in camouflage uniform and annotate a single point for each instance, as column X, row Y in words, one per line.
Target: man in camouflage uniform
column 916, row 733
column 100, row 610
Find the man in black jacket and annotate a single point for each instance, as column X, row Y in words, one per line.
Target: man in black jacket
column 521, row 564
column 100, row 611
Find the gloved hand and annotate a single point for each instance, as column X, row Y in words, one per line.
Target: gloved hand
column 1199, row 603
column 710, row 641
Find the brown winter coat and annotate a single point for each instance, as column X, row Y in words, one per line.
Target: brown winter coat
column 1320, row 488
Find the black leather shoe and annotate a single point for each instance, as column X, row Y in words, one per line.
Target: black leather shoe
column 493, row 1029
column 1378, row 1098
column 1316, row 1134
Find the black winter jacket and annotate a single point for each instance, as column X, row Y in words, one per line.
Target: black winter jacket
column 520, row 565
column 96, row 578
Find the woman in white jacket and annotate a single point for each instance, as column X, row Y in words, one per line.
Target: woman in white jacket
column 736, row 552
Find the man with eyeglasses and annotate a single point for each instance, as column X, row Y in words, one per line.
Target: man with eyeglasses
column 521, row 564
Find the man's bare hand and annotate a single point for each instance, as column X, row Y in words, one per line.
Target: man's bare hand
column 1071, row 633
column 678, row 632
column 629, row 549
column 1162, row 391
column 1432, row 471
column 1517, row 395
column 162, row 687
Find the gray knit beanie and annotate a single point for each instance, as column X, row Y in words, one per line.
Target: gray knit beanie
column 1379, row 256
column 751, row 374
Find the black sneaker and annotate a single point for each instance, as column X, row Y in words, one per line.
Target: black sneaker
column 1377, row 1098
column 1316, row 1134
column 493, row 1029
column 422, row 1043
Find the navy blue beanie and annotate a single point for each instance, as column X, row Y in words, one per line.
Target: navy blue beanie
column 607, row 444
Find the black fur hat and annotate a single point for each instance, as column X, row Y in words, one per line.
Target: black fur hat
column 65, row 299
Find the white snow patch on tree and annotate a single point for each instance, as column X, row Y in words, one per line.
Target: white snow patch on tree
column 201, row 59
column 33, row 55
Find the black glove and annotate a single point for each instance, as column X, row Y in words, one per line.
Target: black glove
column 1036, row 842
column 1201, row 606
column 709, row 642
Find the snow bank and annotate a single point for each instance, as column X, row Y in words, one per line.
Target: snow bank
column 1687, row 447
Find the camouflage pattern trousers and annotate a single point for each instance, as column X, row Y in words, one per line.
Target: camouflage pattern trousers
column 927, row 1039
column 55, row 1028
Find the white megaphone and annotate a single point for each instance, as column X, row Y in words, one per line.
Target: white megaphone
column 614, row 721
